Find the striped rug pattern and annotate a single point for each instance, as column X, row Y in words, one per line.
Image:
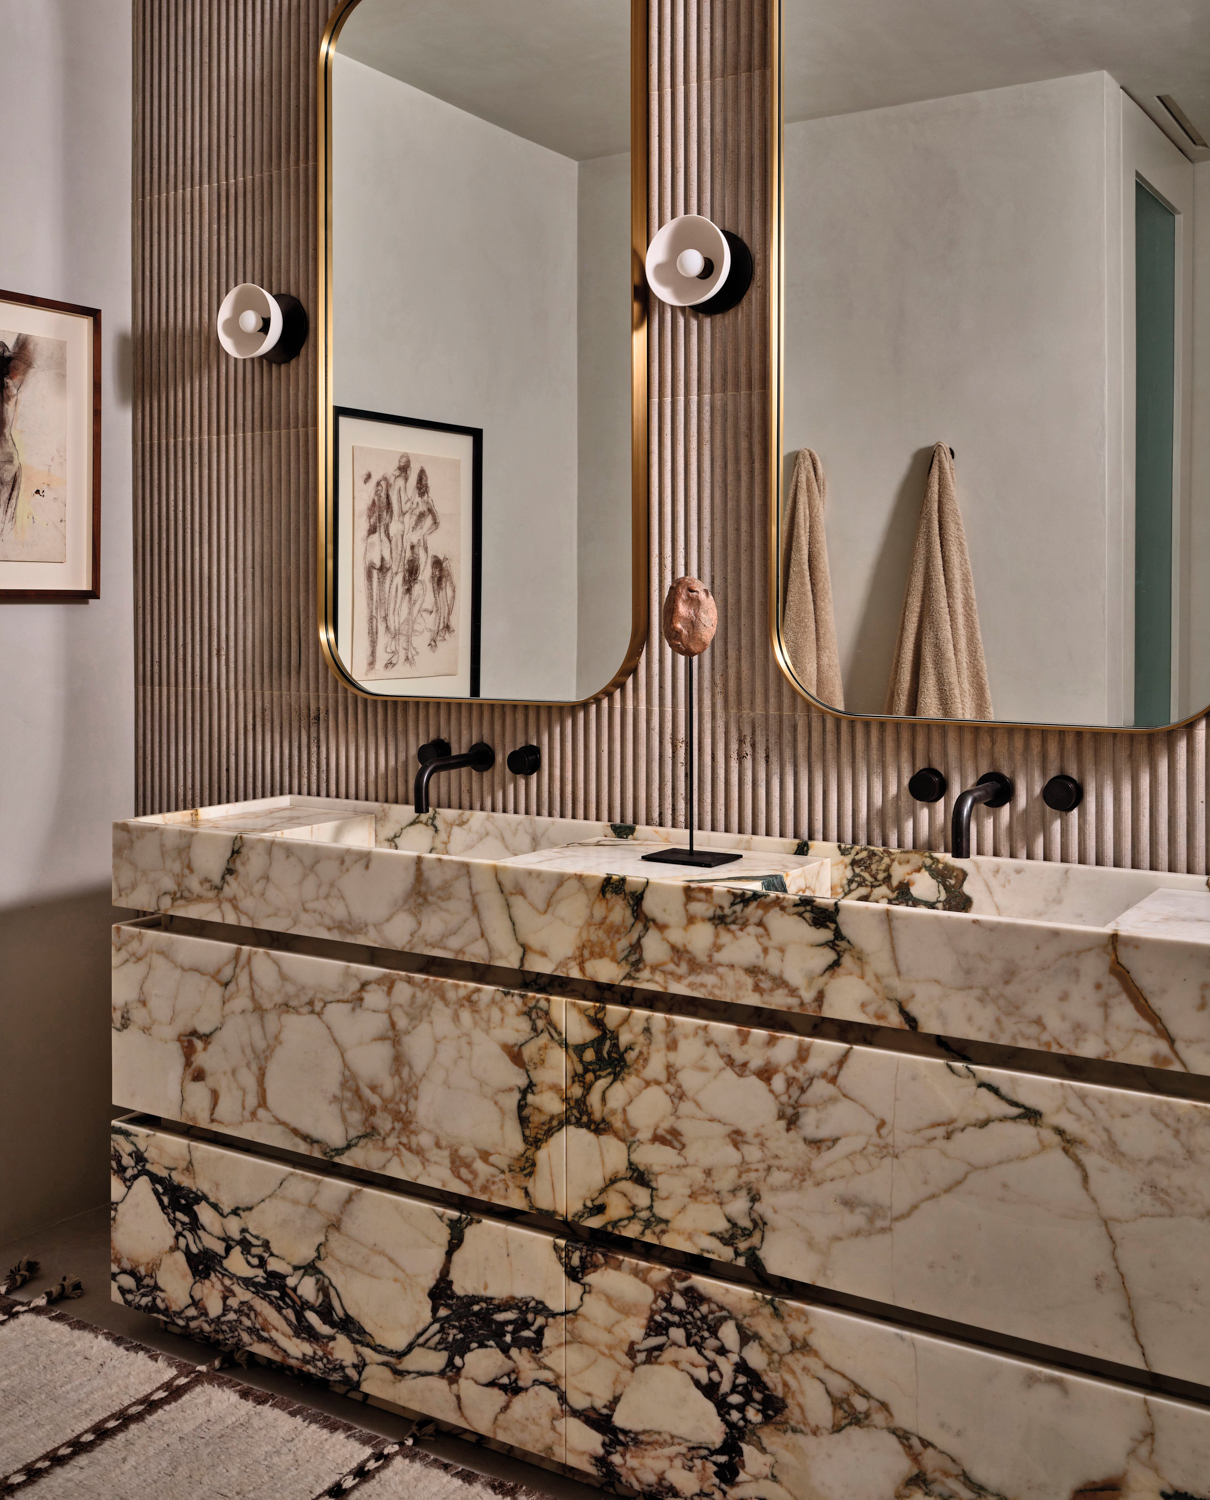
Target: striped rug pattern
column 86, row 1413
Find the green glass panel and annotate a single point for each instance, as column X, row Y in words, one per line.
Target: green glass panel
column 1155, row 315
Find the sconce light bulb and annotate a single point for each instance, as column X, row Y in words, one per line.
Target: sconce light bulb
column 250, row 321
column 691, row 262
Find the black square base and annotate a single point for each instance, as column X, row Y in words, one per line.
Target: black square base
column 705, row 859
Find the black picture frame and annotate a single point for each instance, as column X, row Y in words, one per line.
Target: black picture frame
column 420, row 424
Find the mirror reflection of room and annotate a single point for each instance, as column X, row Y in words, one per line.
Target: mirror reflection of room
column 995, row 481
column 482, row 295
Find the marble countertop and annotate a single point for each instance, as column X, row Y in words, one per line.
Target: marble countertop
column 1020, row 954
column 298, row 819
column 1170, row 914
column 794, row 874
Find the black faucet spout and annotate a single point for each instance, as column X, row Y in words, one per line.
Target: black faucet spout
column 480, row 757
column 994, row 790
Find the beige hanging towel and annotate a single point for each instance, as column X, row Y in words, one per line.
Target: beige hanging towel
column 808, row 624
column 939, row 670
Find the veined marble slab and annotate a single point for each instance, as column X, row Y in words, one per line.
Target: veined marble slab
column 1171, row 914
column 902, row 960
column 794, row 874
column 316, row 820
column 633, row 1373
column 441, row 1313
column 1069, row 1214
column 1063, row 1213
column 455, row 1086
column 690, row 1386
column 1030, row 890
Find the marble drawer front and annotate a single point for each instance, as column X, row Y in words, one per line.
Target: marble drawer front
column 458, row 1318
column 667, row 1383
column 451, row 1085
column 1067, row 1214
column 1063, row 1213
column 1082, row 990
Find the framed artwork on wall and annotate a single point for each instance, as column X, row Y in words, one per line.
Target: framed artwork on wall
column 50, row 450
column 406, row 571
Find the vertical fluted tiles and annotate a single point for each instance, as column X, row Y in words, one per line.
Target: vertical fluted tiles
column 233, row 698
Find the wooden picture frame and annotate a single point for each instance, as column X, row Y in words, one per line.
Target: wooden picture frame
column 50, row 431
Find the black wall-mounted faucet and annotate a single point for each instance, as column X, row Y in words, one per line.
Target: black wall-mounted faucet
column 994, row 790
column 435, row 756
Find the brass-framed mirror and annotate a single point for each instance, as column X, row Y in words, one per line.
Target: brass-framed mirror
column 482, row 346
column 990, row 424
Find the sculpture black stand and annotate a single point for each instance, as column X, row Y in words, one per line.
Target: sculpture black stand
column 705, row 859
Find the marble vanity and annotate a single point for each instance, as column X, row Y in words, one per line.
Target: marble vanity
column 839, row 1172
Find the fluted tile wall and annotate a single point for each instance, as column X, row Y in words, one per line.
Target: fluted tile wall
column 234, row 700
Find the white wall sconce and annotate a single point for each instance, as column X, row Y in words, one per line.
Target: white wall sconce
column 253, row 323
column 693, row 263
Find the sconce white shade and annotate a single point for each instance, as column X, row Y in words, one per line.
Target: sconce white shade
column 249, row 321
column 679, row 254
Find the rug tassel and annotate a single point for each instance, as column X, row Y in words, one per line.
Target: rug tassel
column 422, row 1432
column 25, row 1270
column 68, row 1288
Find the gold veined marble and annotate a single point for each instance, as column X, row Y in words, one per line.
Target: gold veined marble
column 633, row 1373
column 894, row 951
column 1060, row 1212
column 454, row 1086
column 441, row 1313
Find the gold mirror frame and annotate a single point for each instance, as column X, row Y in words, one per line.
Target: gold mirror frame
column 777, row 284
column 325, row 571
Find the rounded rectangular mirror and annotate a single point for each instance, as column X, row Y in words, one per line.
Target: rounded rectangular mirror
column 483, row 517
column 992, row 441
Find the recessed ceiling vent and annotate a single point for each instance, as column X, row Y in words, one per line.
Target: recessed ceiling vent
column 1183, row 120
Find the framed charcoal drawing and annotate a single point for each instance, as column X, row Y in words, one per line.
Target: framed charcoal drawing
column 50, row 450
column 408, row 504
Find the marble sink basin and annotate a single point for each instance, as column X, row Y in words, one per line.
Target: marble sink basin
column 1027, row 954
column 537, row 843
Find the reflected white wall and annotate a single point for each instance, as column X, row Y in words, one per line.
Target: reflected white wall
column 455, row 300
column 1199, row 561
column 604, row 544
column 952, row 275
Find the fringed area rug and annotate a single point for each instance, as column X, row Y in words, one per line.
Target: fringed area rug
column 88, row 1415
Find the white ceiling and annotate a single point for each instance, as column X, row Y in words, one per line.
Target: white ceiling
column 558, row 71
column 847, row 55
column 553, row 71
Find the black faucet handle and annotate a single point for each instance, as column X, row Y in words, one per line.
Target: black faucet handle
column 434, row 750
column 1063, row 793
column 526, row 760
column 481, row 757
column 1005, row 794
column 927, row 785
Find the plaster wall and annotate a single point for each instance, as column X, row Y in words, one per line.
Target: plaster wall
column 66, row 670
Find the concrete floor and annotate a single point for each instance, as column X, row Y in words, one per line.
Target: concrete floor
column 79, row 1246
